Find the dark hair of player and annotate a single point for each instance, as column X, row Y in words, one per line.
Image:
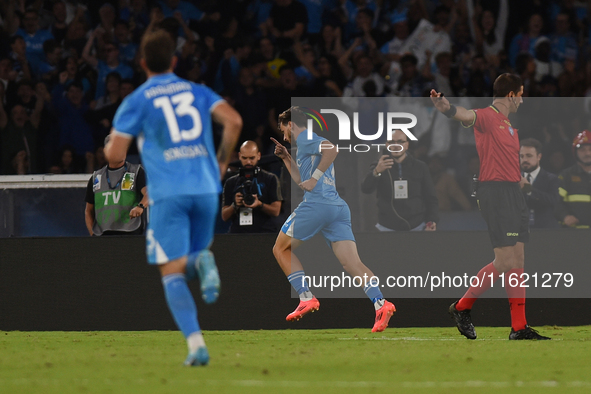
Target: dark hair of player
column 292, row 114
column 157, row 49
column 505, row 84
column 532, row 143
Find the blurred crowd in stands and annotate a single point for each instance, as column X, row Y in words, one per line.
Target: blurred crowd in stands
column 65, row 66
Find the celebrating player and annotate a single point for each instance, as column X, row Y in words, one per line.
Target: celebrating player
column 171, row 118
column 322, row 210
column 500, row 200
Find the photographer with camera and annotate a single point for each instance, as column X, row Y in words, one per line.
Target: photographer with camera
column 252, row 198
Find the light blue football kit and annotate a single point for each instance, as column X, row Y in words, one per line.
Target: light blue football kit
column 322, row 209
column 171, row 119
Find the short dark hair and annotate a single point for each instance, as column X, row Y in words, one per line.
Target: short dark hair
column 532, row 143
column 14, row 38
column 113, row 74
column 292, row 114
column 505, row 84
column 409, row 58
column 158, row 49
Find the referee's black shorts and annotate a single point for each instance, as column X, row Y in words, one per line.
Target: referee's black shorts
column 505, row 211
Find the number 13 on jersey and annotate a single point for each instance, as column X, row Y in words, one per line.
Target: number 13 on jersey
column 183, row 107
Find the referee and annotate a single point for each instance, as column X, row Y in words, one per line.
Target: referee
column 500, row 200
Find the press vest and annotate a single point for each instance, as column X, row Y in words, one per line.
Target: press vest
column 112, row 205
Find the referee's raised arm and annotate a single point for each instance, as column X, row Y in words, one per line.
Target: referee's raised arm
column 466, row 116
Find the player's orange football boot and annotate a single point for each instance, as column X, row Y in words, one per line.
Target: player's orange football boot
column 383, row 316
column 304, row 308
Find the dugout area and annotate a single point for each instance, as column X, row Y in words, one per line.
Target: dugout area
column 104, row 283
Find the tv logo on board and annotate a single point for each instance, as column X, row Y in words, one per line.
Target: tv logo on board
column 345, row 129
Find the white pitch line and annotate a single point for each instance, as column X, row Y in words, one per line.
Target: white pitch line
column 411, row 385
column 423, row 339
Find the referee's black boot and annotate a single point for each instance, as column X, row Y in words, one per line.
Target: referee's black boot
column 527, row 333
column 463, row 321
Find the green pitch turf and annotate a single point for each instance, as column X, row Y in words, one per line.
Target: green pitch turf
column 415, row 360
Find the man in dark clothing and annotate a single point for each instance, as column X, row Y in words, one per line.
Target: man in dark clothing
column 538, row 185
column 406, row 195
column 256, row 216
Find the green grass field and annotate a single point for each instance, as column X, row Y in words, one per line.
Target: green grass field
column 413, row 360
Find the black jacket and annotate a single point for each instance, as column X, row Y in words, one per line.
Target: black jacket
column 544, row 199
column 404, row 214
column 575, row 190
column 269, row 191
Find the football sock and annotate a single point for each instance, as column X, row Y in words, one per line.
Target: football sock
column 378, row 304
column 195, row 341
column 484, row 283
column 191, row 268
column 373, row 292
column 516, row 296
column 181, row 303
column 298, row 282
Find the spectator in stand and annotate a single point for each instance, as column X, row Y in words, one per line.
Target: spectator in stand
column 67, row 162
column 412, row 82
column 330, row 81
column 111, row 63
column 287, row 22
column 488, row 30
column 136, row 13
column 18, row 138
column 48, row 69
column 545, row 66
column 525, row 42
column 71, row 110
column 362, row 73
column 392, row 50
column 59, row 26
column 575, row 185
column 34, row 37
column 329, row 41
column 281, row 98
column 251, row 103
column 564, row 41
column 127, row 49
column 25, row 95
column 18, row 54
column 70, row 66
column 539, row 187
column 112, row 95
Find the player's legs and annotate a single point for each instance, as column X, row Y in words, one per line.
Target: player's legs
column 168, row 245
column 301, row 225
column 340, row 234
column 283, row 252
column 201, row 262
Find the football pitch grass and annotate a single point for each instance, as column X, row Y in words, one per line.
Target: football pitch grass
column 415, row 360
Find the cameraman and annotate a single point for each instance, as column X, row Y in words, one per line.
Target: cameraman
column 254, row 216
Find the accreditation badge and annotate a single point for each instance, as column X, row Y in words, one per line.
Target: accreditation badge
column 128, row 181
column 400, row 190
column 246, row 216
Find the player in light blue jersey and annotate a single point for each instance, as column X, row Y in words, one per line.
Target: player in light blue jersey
column 172, row 121
column 322, row 210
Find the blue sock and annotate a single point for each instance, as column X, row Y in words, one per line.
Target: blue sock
column 373, row 292
column 191, row 269
column 181, row 303
column 298, row 282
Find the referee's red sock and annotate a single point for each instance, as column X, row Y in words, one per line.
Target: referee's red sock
column 484, row 283
column 516, row 294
